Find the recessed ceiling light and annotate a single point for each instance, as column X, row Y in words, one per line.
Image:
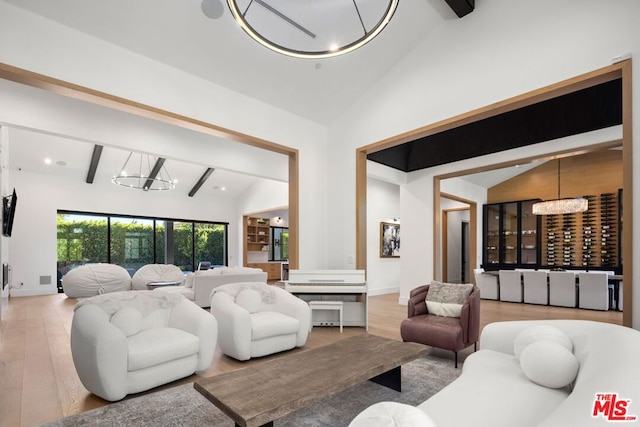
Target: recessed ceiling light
column 47, row 161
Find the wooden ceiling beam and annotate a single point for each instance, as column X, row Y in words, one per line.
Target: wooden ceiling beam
column 93, row 165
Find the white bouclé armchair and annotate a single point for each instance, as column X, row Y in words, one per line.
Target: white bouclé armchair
column 128, row 342
column 257, row 319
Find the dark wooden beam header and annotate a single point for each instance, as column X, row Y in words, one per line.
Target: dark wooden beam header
column 93, row 165
column 201, row 181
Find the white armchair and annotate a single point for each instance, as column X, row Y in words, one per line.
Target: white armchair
column 128, row 342
column 259, row 319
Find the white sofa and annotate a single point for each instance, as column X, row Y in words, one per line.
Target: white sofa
column 495, row 388
column 259, row 319
column 199, row 284
column 128, row 342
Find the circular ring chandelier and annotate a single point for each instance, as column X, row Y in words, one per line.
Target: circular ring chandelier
column 311, row 28
column 144, row 172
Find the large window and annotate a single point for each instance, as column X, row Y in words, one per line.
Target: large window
column 132, row 242
column 183, row 255
column 82, row 239
column 209, row 243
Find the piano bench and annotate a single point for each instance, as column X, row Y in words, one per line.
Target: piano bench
column 327, row 305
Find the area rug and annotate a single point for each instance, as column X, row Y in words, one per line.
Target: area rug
column 184, row 406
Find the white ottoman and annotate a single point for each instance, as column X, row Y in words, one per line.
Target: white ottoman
column 392, row 414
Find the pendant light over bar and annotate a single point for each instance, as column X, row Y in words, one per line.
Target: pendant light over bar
column 560, row 206
column 314, row 30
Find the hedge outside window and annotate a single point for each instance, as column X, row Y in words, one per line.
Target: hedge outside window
column 132, row 242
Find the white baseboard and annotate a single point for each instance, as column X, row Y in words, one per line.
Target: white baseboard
column 403, row 300
column 382, row 291
column 31, row 292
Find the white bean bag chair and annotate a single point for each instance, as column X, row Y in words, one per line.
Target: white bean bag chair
column 156, row 273
column 95, row 279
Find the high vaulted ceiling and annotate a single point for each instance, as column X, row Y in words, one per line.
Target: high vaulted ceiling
column 179, row 34
column 44, row 125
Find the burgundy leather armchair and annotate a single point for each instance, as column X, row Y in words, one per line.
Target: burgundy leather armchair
column 449, row 333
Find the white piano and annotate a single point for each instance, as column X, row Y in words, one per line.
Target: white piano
column 348, row 286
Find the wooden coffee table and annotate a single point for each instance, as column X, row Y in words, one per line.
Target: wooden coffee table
column 257, row 395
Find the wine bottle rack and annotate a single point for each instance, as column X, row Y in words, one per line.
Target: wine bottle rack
column 587, row 239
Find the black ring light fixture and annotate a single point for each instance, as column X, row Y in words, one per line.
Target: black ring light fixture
column 313, row 29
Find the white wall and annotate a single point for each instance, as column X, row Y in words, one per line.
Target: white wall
column 32, row 251
column 52, row 49
column 503, row 49
column 383, row 204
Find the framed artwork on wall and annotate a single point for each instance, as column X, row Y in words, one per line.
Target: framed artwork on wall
column 389, row 240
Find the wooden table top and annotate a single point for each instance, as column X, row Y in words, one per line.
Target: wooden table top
column 259, row 394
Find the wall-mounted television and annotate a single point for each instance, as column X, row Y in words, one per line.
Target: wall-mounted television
column 8, row 213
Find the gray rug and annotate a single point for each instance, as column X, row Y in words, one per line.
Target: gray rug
column 184, row 406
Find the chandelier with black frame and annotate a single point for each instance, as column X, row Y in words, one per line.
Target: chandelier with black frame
column 312, row 29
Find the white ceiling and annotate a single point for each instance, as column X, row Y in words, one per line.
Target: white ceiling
column 494, row 177
column 178, row 33
column 70, row 159
column 42, row 124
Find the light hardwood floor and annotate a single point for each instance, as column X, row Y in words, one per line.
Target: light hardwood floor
column 38, row 381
